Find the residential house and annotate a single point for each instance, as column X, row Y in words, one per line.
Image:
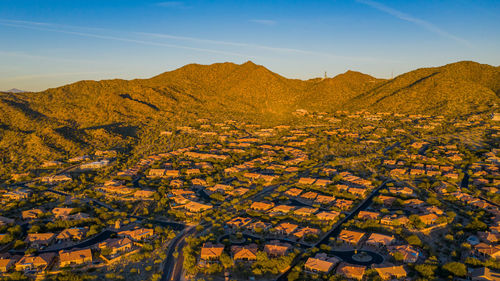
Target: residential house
column 285, row 228
column 75, row 234
column 484, row 274
column 306, row 181
column 282, row 209
column 311, row 196
column 428, row 218
column 327, row 216
column 351, row 237
column 37, row 263
column 75, row 257
column 116, row 245
column 31, row 214
column 294, row 192
column 62, row 213
column 351, row 271
column 276, row 249
column 238, row 222
column 367, row 215
column 305, row 231
column 324, row 199
column 137, row 234
column 244, row 253
column 343, row 204
column 261, row 206
column 38, row 240
column 259, row 226
column 390, row 272
column 6, row 263
column 211, row 252
column 407, row 252
column 321, row 263
column 487, row 251
column 305, row 211
column 380, row 240
column 196, row 207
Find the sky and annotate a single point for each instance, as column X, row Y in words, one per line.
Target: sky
column 49, row 43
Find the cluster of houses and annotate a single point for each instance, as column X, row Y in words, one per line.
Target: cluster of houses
column 70, row 257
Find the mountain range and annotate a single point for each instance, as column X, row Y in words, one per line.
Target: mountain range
column 70, row 118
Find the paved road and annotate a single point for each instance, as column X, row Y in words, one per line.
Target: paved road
column 172, row 267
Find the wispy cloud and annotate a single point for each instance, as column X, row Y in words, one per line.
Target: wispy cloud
column 420, row 22
column 57, row 29
column 263, row 21
column 50, row 75
column 148, row 39
column 172, row 4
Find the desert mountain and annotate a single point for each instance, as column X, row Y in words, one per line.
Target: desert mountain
column 74, row 117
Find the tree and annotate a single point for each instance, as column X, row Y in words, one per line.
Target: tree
column 456, row 268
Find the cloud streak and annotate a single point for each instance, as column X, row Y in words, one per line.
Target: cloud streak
column 96, row 33
column 422, row 23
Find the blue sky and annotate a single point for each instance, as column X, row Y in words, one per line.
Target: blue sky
column 48, row 43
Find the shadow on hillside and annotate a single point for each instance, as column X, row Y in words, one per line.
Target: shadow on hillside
column 119, row 128
column 127, row 96
column 24, row 108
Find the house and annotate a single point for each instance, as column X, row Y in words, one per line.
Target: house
column 40, row 239
column 327, row 216
column 116, row 245
column 238, row 222
column 75, row 257
column 483, row 274
column 343, row 204
column 144, row 194
column 137, row 234
column 357, row 191
column 276, row 249
column 211, row 252
column 305, row 211
column 282, row 209
column 31, row 214
column 400, row 190
column 306, row 181
column 261, row 206
column 75, row 234
column 303, row 232
column 428, row 218
column 380, row 240
column 6, row 264
column 367, row 215
column 322, row 182
column 244, row 253
column 390, row 272
column 351, row 271
column 487, row 251
column 386, row 200
column 324, row 199
column 407, row 252
column 61, row 213
column 294, row 192
column 285, row 228
column 394, row 220
column 488, row 237
column 196, row 207
column 351, row 237
column 321, row 263
column 38, row 263
column 309, row 195
column 259, row 226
